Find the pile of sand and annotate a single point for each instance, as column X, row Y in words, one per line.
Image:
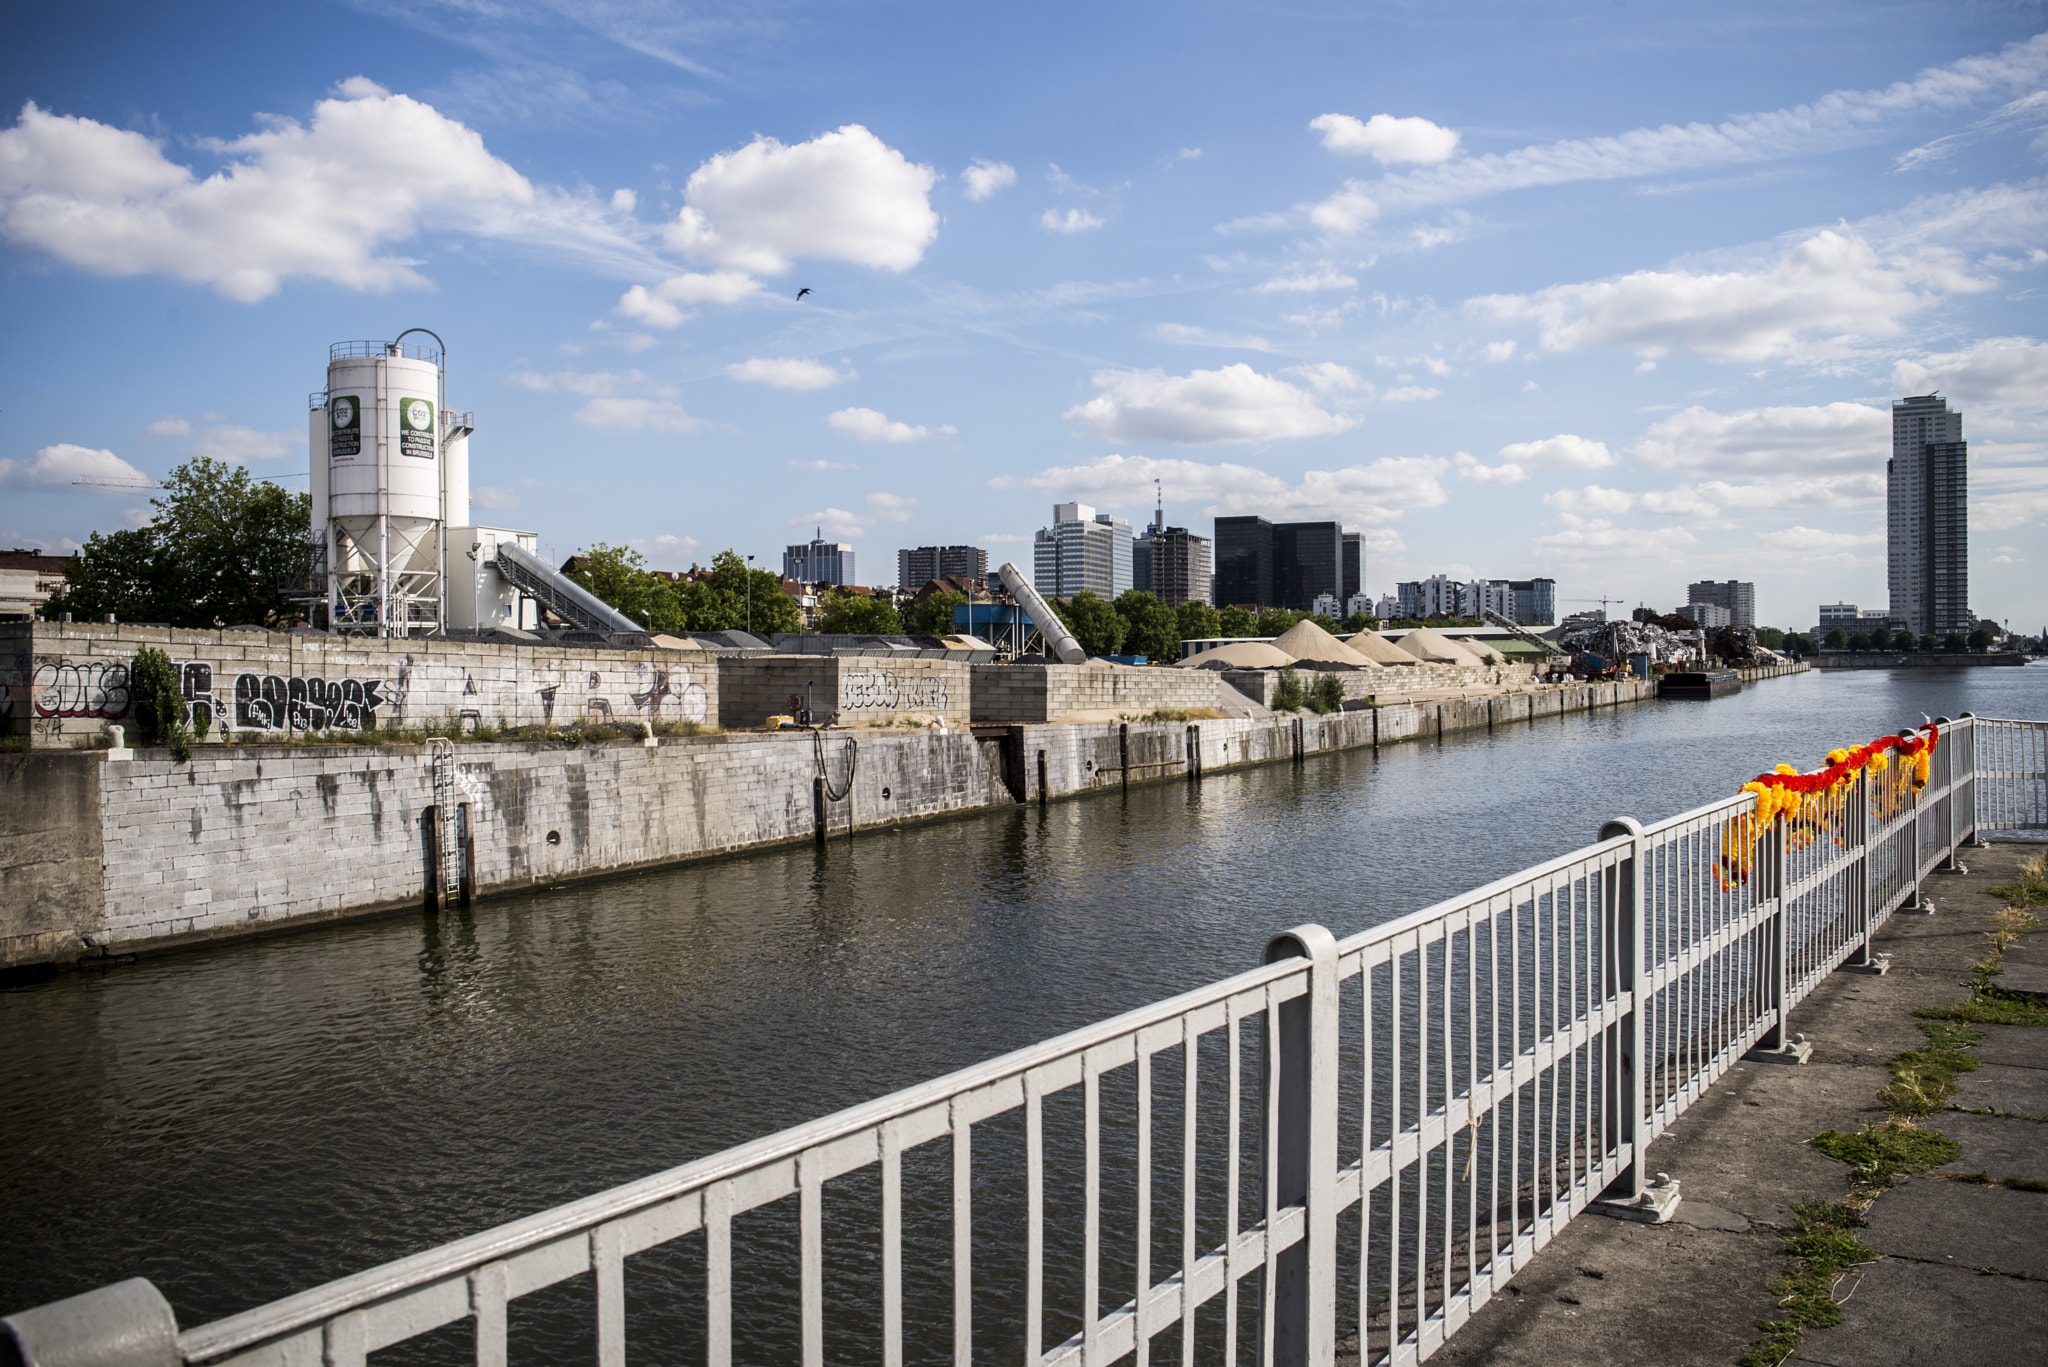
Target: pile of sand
column 1238, row 655
column 1434, row 648
column 1379, row 649
column 1310, row 644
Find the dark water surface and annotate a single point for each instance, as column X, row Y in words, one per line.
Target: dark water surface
column 241, row 1122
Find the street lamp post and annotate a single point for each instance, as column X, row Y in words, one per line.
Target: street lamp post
column 750, row 595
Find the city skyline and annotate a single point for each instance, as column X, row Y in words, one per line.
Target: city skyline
column 1621, row 303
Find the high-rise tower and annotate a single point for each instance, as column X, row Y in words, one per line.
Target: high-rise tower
column 1928, row 523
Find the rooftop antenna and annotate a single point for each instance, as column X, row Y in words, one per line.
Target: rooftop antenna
column 1159, row 513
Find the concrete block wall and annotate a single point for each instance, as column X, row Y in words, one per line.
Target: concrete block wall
column 844, row 690
column 50, row 855
column 63, row 681
column 1038, row 693
column 1263, row 685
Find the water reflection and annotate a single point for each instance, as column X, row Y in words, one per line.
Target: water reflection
column 243, row 1121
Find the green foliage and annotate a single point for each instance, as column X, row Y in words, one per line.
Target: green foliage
column 1904, row 640
column 1097, row 625
column 1797, row 644
column 856, row 614
column 1325, row 621
column 1236, row 621
column 1979, row 641
column 723, row 598
column 1197, row 621
column 1770, row 638
column 1955, row 643
column 1328, row 694
column 221, row 550
column 1822, row 1248
column 1880, row 638
column 934, row 616
column 1859, row 641
column 1880, row 1152
column 1276, row 621
column 1358, row 622
column 1834, row 640
column 1289, row 698
column 159, row 701
column 1150, row 628
column 1924, row 1079
column 619, row 575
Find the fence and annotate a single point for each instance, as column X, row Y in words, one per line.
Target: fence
column 1364, row 1137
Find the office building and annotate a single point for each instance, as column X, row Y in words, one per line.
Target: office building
column 1171, row 564
column 1707, row 616
column 1354, row 565
column 1261, row 564
column 1737, row 597
column 916, row 568
column 818, row 562
column 1928, row 520
column 1535, row 601
column 1082, row 550
column 1844, row 616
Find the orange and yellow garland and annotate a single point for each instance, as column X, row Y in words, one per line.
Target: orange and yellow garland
column 1812, row 804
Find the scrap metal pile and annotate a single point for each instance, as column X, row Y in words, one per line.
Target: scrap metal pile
column 1597, row 647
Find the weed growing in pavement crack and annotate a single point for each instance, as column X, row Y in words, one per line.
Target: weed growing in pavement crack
column 1822, row 1250
column 1878, row 1153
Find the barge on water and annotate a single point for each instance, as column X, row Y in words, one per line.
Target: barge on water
column 1718, row 683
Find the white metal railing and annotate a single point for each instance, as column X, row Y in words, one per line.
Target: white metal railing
column 2012, row 767
column 1366, row 1137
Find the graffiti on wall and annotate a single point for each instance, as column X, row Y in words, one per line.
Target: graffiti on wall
column 882, row 690
column 274, row 702
column 86, row 690
column 671, row 692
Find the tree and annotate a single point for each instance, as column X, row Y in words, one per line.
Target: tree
column 1276, row 621
column 1979, row 641
column 857, row 614
column 1903, row 640
column 1197, row 621
column 1770, row 638
column 1881, row 638
column 222, row 550
column 1325, row 621
column 1235, row 621
column 1796, row 644
column 719, row 599
column 1834, row 640
column 1289, row 697
column 1954, row 643
column 1859, row 642
column 933, row 616
column 1328, row 694
column 1149, row 627
column 619, row 575
column 1358, row 622
column 1097, row 625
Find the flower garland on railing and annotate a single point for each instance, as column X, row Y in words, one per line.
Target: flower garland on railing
column 1811, row 805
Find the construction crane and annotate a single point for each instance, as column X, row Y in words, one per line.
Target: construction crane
column 1603, row 602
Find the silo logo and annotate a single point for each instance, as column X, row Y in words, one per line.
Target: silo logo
column 345, row 421
column 416, row 428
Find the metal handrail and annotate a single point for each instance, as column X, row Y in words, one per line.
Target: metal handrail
column 1501, row 1062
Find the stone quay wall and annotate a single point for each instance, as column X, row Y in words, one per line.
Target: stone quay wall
column 106, row 856
column 844, row 690
column 1037, row 693
column 1263, row 685
column 62, row 683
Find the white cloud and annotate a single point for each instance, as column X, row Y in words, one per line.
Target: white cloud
column 1773, row 441
column 493, row 496
column 1997, row 372
column 890, row 507
column 1327, row 377
column 867, row 424
column 170, row 425
column 1816, row 539
column 788, row 372
column 665, row 551
column 1681, row 502
column 843, row 196
column 1841, row 119
column 1410, row 393
column 1590, row 540
column 637, row 415
column 1350, row 209
column 1308, row 281
column 1072, row 221
column 585, row 382
column 984, row 178
column 822, row 465
column 1358, row 494
column 1387, row 139
column 1000, row 538
column 1233, row 404
column 2010, row 509
column 1186, row 334
column 1591, row 499
column 833, row 522
column 1507, row 472
column 2027, row 110
column 324, row 200
column 1563, row 451
column 55, row 467
column 665, row 306
column 1826, row 294
column 1499, row 351
column 239, row 445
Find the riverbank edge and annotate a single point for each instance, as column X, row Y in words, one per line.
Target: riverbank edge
column 172, row 837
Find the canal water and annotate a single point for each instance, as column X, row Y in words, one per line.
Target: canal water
column 241, row 1122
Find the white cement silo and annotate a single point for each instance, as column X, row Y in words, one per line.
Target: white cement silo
column 380, row 482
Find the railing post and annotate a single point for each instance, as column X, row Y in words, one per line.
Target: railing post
column 1913, row 900
column 1302, row 1044
column 1944, row 756
column 1774, row 949
column 1856, row 886
column 128, row 1324
column 1627, row 956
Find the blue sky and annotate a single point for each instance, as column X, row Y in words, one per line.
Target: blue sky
column 1617, row 293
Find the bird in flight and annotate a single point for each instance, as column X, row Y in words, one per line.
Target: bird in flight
column 804, row 291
